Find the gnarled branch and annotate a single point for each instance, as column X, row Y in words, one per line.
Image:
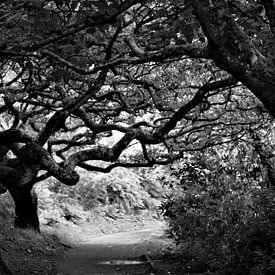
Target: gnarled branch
column 233, row 51
column 13, row 136
column 112, row 154
column 34, row 154
column 191, row 50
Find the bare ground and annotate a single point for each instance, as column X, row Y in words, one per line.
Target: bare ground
column 134, row 252
column 26, row 252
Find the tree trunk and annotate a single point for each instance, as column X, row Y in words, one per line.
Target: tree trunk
column 25, row 208
column 3, row 268
column 233, row 51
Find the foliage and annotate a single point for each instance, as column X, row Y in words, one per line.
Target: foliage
column 76, row 71
column 6, row 207
column 222, row 219
column 159, row 78
column 116, row 196
column 120, row 191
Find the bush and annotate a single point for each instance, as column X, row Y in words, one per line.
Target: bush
column 221, row 225
column 120, row 191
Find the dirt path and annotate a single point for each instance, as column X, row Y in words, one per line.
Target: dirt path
column 120, row 253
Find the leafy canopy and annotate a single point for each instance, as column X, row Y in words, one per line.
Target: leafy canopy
column 162, row 74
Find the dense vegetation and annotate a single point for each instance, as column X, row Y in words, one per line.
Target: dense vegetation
column 220, row 212
column 133, row 84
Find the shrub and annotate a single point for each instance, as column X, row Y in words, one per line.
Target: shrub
column 219, row 224
column 6, row 207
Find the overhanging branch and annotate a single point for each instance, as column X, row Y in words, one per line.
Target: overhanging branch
column 124, row 165
column 92, row 21
column 191, row 50
column 113, row 153
column 194, row 102
column 57, row 121
column 33, row 153
column 13, row 136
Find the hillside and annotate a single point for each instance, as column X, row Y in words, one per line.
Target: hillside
column 122, row 200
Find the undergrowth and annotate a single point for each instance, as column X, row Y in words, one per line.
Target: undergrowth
column 221, row 223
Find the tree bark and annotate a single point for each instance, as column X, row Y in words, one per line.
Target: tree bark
column 18, row 177
column 232, row 50
column 4, row 270
column 26, row 215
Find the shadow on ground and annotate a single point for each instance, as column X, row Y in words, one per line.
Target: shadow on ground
column 120, row 253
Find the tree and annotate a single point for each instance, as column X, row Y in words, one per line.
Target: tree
column 3, row 268
column 165, row 74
